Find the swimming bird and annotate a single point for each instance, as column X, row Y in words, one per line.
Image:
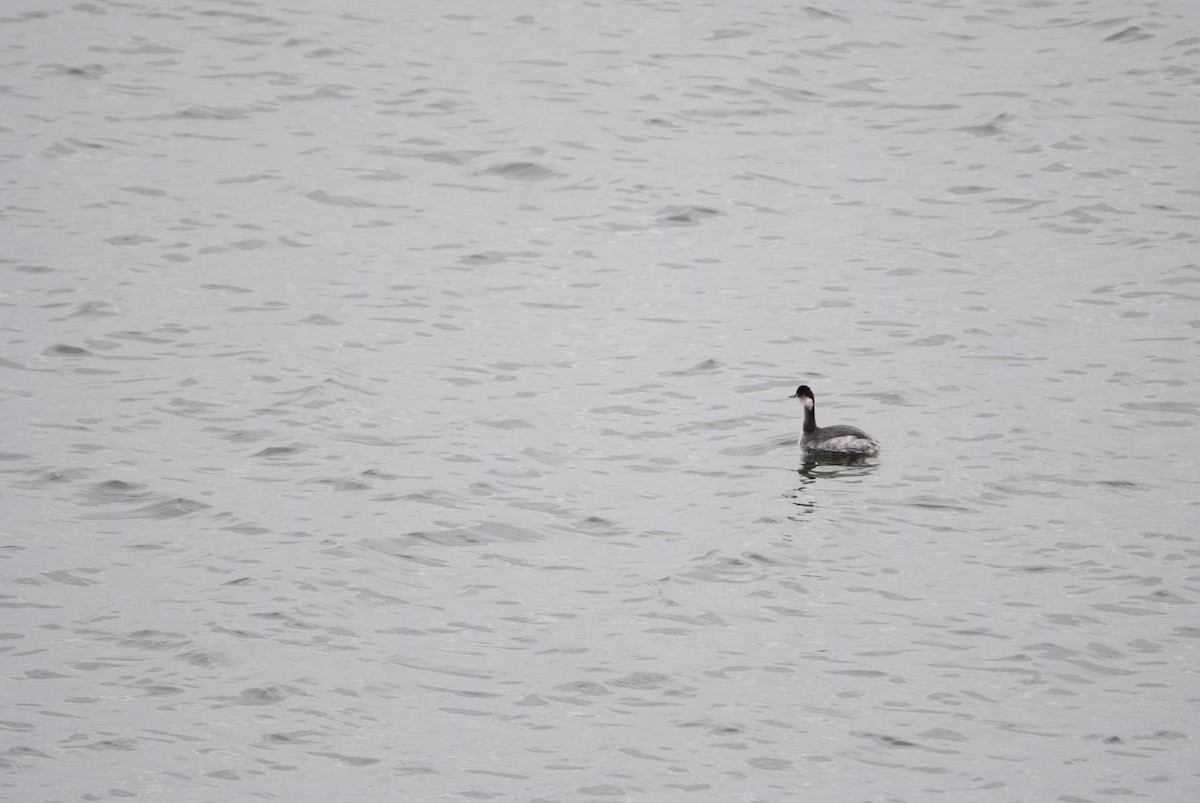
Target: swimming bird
column 839, row 439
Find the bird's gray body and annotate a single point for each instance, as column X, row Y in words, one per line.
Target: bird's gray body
column 840, row 439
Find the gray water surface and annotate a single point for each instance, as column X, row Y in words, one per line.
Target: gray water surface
column 396, row 401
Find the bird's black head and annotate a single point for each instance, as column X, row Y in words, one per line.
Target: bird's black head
column 803, row 392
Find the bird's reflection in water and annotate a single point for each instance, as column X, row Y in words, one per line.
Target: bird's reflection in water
column 816, row 467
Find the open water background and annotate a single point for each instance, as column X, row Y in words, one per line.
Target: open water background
column 395, row 400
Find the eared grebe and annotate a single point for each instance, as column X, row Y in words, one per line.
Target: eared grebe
column 835, row 440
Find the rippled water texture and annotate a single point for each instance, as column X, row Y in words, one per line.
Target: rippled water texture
column 396, row 400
